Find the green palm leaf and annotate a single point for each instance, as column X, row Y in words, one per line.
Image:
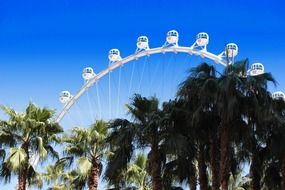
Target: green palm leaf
column 16, row 159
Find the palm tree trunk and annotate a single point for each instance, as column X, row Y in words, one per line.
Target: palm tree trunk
column 22, row 179
column 203, row 179
column 214, row 159
column 94, row 177
column 193, row 179
column 193, row 186
column 155, row 168
column 283, row 173
column 225, row 157
column 255, row 173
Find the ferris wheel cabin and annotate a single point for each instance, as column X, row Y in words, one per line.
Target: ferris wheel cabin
column 172, row 37
column 142, row 43
column 114, row 55
column 256, row 69
column 88, row 73
column 202, row 39
column 64, row 97
column 231, row 50
column 278, row 95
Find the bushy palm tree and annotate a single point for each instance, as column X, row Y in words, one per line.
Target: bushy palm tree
column 229, row 120
column 29, row 136
column 278, row 138
column 228, row 109
column 89, row 147
column 230, row 101
column 238, row 182
column 145, row 132
column 135, row 177
column 136, row 174
column 58, row 178
column 274, row 162
column 179, row 147
column 198, row 92
column 258, row 112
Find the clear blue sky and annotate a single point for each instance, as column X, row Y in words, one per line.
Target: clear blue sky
column 44, row 45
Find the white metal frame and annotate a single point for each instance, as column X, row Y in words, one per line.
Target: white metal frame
column 130, row 58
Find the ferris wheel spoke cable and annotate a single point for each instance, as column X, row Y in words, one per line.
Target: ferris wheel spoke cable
column 71, row 119
column 155, row 74
column 94, row 102
column 165, row 70
column 132, row 75
column 98, row 100
column 141, row 77
column 148, row 72
column 119, row 88
column 103, row 92
column 78, row 112
column 90, row 107
column 162, row 74
column 161, row 82
column 168, row 74
column 115, row 80
column 174, row 74
column 110, row 111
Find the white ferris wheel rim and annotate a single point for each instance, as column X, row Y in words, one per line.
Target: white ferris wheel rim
column 175, row 49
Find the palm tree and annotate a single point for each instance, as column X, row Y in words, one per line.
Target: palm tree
column 178, row 146
column 144, row 132
column 199, row 93
column 228, row 109
column 136, row 174
column 274, row 176
column 238, row 182
column 28, row 135
column 90, row 147
column 58, row 178
column 258, row 112
column 230, row 102
column 121, row 139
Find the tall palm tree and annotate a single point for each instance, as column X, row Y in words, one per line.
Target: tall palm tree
column 258, row 111
column 144, row 131
column 179, row 147
column 281, row 129
column 230, row 101
column 199, row 92
column 28, row 135
column 90, row 147
column 275, row 163
column 121, row 138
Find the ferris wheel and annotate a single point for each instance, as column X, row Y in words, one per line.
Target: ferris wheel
column 116, row 61
column 198, row 49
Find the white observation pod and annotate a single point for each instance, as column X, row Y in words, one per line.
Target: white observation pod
column 202, row 39
column 88, row 73
column 278, row 95
column 172, row 37
column 231, row 50
column 142, row 43
column 114, row 55
column 65, row 96
column 256, row 69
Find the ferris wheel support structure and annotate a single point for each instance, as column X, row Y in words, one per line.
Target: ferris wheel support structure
column 175, row 49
